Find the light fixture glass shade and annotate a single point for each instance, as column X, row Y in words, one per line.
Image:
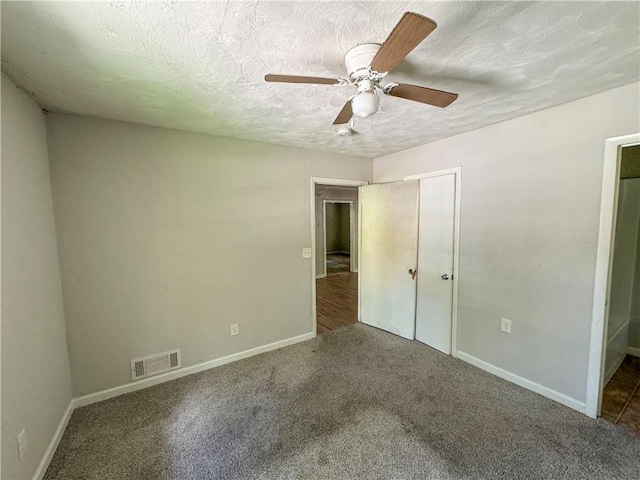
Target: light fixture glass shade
column 365, row 104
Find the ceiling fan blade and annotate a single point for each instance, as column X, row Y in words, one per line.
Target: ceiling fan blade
column 345, row 114
column 299, row 79
column 405, row 36
column 426, row 95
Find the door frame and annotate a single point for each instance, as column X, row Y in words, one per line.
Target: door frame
column 336, row 182
column 351, row 231
column 456, row 245
column 604, row 266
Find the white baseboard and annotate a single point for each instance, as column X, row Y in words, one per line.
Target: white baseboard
column 614, row 367
column 322, row 275
column 635, row 351
column 182, row 372
column 53, row 444
column 523, row 382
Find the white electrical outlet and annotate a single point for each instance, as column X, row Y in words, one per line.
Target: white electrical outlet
column 505, row 325
column 22, row 443
column 306, row 253
column 234, row 329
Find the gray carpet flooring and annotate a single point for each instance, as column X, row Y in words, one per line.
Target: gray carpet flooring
column 353, row 403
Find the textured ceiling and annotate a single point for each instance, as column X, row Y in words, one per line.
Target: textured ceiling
column 199, row 66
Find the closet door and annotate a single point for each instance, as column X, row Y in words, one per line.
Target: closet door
column 435, row 262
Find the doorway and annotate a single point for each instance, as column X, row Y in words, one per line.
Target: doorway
column 335, row 247
column 621, row 381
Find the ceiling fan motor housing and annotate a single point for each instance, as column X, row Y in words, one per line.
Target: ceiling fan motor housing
column 358, row 59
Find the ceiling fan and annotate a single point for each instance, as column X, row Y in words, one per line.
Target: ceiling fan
column 369, row 63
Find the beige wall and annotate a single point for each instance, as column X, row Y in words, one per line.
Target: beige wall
column 330, row 192
column 338, row 227
column 630, row 162
column 332, row 225
column 36, row 383
column 344, row 239
column 167, row 237
column 530, row 211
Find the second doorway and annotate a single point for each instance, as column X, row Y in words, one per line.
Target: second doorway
column 336, row 257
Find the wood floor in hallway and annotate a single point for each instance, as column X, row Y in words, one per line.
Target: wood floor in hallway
column 336, row 301
column 621, row 396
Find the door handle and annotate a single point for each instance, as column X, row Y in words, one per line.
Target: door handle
column 445, row 277
column 413, row 273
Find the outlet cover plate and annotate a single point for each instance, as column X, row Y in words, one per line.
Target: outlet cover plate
column 234, row 329
column 306, row 253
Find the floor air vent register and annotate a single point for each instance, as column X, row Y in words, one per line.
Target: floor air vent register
column 155, row 364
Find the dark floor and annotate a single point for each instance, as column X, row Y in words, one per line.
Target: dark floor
column 621, row 396
column 355, row 403
column 336, row 301
column 338, row 263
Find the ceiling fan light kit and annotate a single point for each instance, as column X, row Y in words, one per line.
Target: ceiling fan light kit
column 365, row 104
column 369, row 63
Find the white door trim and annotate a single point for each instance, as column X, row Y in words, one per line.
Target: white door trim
column 604, row 257
column 312, row 200
column 456, row 246
column 351, row 230
column 435, row 173
column 359, row 247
